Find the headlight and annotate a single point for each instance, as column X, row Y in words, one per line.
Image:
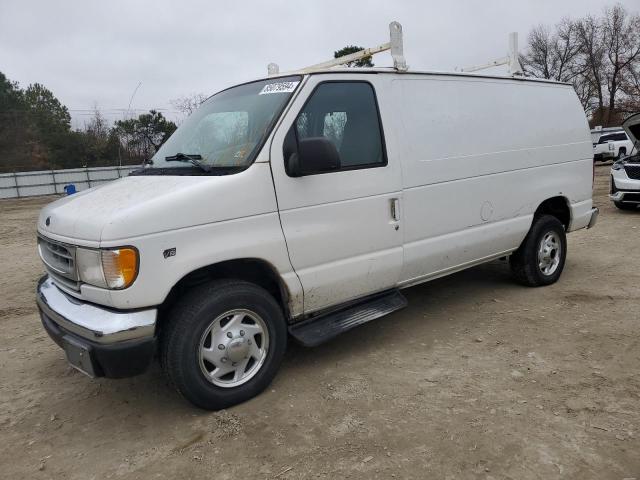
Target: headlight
column 90, row 267
column 114, row 269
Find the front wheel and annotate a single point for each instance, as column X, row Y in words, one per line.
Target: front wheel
column 223, row 343
column 540, row 258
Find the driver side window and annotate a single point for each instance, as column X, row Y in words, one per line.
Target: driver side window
column 346, row 114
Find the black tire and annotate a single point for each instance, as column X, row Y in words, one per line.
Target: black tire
column 188, row 321
column 621, row 153
column 625, row 206
column 524, row 261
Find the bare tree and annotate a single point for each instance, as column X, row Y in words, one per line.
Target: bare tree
column 621, row 38
column 537, row 62
column 553, row 55
column 97, row 127
column 557, row 56
column 566, row 49
column 631, row 88
column 592, row 58
column 586, row 93
column 600, row 56
column 188, row 104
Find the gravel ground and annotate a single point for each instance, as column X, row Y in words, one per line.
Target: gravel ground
column 477, row 378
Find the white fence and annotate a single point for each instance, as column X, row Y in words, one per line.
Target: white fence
column 50, row 182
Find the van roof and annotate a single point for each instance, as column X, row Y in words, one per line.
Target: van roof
column 391, row 70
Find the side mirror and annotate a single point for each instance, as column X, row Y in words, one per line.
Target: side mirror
column 315, row 155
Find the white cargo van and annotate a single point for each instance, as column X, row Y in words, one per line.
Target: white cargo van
column 299, row 206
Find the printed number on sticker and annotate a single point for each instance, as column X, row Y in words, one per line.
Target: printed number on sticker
column 280, row 87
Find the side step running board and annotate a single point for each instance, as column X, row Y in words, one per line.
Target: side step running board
column 317, row 330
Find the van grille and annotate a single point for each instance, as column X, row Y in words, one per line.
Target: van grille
column 60, row 262
column 64, row 282
column 633, row 171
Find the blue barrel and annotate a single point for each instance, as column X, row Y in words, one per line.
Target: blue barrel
column 70, row 189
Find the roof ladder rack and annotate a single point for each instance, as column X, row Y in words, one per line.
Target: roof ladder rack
column 394, row 44
column 512, row 59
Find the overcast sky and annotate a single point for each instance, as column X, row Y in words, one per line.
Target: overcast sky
column 96, row 53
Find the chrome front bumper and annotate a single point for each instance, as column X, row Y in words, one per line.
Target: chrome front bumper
column 93, row 323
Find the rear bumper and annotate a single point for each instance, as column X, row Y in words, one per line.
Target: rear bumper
column 594, row 217
column 583, row 215
column 98, row 342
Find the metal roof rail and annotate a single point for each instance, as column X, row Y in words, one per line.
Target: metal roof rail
column 512, row 59
column 394, row 44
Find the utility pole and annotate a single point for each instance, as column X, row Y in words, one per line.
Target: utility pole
column 135, row 90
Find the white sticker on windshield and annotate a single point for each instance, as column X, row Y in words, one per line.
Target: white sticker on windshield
column 280, row 87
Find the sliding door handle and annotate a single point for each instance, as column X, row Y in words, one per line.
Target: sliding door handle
column 395, row 209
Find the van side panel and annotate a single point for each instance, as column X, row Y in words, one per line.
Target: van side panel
column 478, row 157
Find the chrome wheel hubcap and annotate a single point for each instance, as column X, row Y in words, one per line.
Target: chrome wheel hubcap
column 549, row 253
column 233, row 348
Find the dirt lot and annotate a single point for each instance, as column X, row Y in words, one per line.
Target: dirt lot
column 477, row 378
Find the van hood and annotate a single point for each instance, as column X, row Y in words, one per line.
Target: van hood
column 142, row 205
column 632, row 126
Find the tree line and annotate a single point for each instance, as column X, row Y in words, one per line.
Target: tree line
column 599, row 55
column 36, row 133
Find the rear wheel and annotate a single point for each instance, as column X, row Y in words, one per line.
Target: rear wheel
column 621, row 153
column 223, row 343
column 540, row 258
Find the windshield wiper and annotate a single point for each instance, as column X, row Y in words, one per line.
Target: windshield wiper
column 194, row 159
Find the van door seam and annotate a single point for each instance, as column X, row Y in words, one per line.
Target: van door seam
column 275, row 190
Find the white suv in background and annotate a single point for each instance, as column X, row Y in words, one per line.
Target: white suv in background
column 625, row 173
column 612, row 145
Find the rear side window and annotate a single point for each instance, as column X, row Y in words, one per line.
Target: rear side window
column 620, row 137
column 346, row 113
column 614, row 137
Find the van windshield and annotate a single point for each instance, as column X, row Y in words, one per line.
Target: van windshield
column 229, row 128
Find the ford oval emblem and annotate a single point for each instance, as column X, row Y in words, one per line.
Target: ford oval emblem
column 47, row 222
